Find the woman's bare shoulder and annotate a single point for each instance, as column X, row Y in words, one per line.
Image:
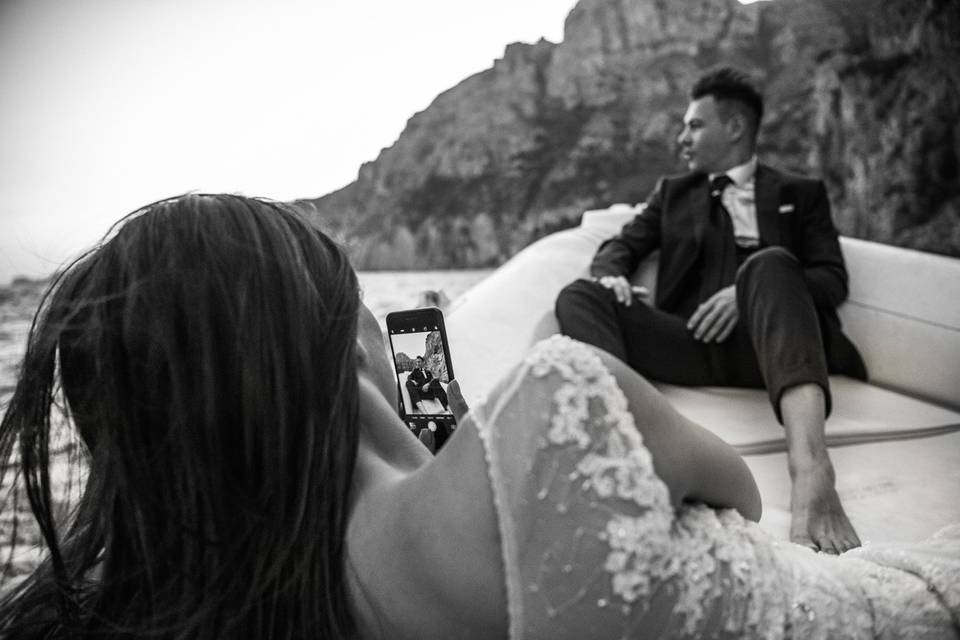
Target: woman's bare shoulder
column 425, row 549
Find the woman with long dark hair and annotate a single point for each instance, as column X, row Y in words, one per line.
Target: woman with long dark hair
column 246, row 474
column 202, row 350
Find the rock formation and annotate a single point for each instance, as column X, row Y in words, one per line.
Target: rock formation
column 403, row 362
column 433, row 354
column 861, row 92
column 887, row 122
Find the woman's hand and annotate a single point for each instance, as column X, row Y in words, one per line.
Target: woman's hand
column 427, row 440
column 457, row 404
column 459, row 408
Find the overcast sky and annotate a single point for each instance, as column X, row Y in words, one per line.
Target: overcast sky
column 106, row 105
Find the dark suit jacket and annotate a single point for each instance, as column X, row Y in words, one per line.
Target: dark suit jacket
column 418, row 377
column 792, row 212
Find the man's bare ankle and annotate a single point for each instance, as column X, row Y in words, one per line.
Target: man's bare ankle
column 805, row 466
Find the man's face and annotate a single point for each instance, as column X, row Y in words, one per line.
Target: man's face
column 705, row 142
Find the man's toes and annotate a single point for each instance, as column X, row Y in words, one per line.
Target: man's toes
column 827, row 545
column 835, row 537
column 849, row 541
column 803, row 538
column 842, row 533
column 821, row 538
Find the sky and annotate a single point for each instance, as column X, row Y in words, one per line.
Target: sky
column 108, row 105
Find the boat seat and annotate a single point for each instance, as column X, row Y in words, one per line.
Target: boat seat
column 901, row 313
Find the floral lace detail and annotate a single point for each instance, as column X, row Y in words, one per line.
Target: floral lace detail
column 617, row 464
column 593, row 547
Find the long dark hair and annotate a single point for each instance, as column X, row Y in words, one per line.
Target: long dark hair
column 206, row 351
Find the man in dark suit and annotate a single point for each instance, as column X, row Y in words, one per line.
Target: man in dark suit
column 749, row 279
column 422, row 385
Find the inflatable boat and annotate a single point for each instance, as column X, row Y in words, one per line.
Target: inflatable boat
column 894, row 440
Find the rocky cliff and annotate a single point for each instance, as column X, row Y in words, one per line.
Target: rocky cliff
column 433, row 353
column 403, row 362
column 886, row 122
column 861, row 92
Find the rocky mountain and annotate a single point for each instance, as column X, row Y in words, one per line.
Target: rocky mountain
column 886, row 122
column 865, row 93
column 433, row 354
column 403, row 362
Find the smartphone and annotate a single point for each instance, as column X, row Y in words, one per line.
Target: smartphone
column 421, row 359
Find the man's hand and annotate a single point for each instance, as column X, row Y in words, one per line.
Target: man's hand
column 715, row 319
column 425, row 387
column 620, row 287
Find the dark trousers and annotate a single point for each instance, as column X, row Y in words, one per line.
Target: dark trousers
column 777, row 342
column 434, row 392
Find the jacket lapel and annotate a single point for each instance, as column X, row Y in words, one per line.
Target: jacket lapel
column 767, row 198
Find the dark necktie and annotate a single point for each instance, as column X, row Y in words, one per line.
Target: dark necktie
column 720, row 252
column 717, row 187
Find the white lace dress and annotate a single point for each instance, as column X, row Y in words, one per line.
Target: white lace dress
column 593, row 548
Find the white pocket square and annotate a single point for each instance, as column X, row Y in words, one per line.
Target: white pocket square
column 785, row 208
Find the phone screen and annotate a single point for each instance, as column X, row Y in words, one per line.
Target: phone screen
column 421, row 358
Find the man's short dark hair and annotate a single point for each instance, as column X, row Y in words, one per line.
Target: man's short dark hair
column 732, row 87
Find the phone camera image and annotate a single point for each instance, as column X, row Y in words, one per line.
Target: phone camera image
column 422, row 364
column 422, row 373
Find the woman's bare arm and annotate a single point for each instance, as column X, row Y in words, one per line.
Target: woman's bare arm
column 695, row 464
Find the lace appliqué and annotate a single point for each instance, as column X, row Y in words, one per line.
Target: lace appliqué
column 614, row 465
column 704, row 558
column 593, row 547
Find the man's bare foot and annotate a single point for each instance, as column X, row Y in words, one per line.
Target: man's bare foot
column 818, row 519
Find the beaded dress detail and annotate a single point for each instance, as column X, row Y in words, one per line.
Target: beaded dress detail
column 592, row 547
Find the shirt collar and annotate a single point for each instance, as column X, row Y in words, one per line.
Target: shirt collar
column 742, row 173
